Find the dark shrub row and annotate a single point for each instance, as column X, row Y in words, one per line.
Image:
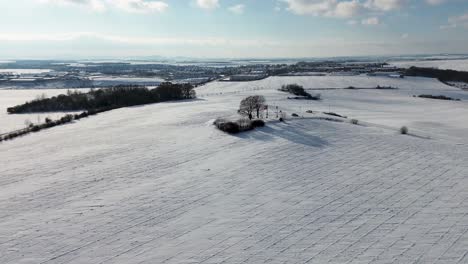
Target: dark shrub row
column 404, row 130
column 48, row 124
column 241, row 125
column 258, row 123
column 52, row 123
column 328, row 119
column 439, row 97
column 334, row 114
column 385, row 88
column 378, row 87
column 110, row 98
column 442, row 75
column 299, row 91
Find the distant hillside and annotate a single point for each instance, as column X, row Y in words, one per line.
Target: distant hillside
column 442, row 75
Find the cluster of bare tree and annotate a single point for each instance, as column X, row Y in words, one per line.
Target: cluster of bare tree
column 248, row 106
column 252, row 104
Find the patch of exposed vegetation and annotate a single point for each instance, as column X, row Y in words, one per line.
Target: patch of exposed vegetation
column 299, row 92
column 404, row 130
column 49, row 123
column 442, row 75
column 328, row 119
column 378, row 87
column 438, row 97
column 335, row 114
column 240, row 125
column 385, row 88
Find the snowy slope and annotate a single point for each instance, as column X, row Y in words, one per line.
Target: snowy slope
column 158, row 184
column 394, row 108
column 458, row 65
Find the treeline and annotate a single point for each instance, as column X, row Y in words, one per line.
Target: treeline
column 442, row 75
column 299, row 91
column 110, row 98
column 438, row 97
column 49, row 123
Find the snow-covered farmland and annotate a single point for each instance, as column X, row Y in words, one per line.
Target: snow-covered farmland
column 25, row 71
column 159, row 184
column 392, row 108
column 458, row 65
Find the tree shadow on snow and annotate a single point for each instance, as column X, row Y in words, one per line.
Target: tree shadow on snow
column 288, row 132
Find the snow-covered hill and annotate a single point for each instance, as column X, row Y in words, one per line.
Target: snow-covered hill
column 159, row 184
column 393, row 108
column 458, row 65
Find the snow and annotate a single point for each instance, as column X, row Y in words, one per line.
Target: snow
column 126, row 79
column 25, row 71
column 112, row 80
column 458, row 65
column 159, row 184
column 391, row 108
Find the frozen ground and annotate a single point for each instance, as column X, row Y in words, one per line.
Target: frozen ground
column 25, row 71
column 158, row 184
column 391, row 108
column 458, row 65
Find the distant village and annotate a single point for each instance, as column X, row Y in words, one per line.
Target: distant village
column 54, row 74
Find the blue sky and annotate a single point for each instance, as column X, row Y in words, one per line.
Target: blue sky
column 230, row 28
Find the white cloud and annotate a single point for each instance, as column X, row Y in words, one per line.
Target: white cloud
column 463, row 19
column 347, row 9
column 310, row 7
column 208, row 4
column 329, row 8
column 141, row 6
column 96, row 5
column 386, row 5
column 237, row 9
column 456, row 21
column 73, row 45
column 435, row 2
column 131, row 40
column 342, row 9
column 404, row 35
column 134, row 6
column 372, row 21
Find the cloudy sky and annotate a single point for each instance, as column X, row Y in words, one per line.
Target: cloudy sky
column 230, row 28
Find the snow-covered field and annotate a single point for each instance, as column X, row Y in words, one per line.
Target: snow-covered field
column 393, row 108
column 111, row 80
column 458, row 65
column 25, row 71
column 158, row 184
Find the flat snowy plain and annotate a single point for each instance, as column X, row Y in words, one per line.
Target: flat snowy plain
column 158, row 184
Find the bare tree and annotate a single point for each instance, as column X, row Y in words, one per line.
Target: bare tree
column 250, row 104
